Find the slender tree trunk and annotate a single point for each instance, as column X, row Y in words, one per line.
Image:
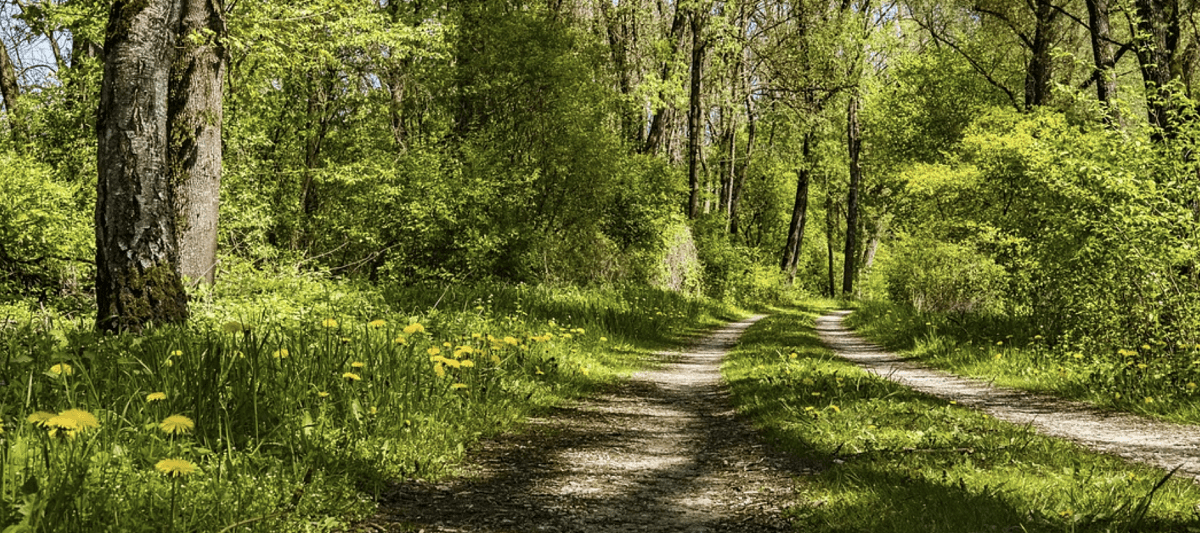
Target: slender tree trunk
column 1159, row 25
column 194, row 120
column 830, row 229
column 137, row 258
column 664, row 114
column 854, row 143
column 11, row 93
column 795, row 238
column 695, row 120
column 1038, row 72
column 1102, row 55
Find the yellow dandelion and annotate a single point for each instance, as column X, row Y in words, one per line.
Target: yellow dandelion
column 322, row 394
column 1149, row 400
column 793, row 355
column 83, row 419
column 447, row 345
column 511, row 341
column 1191, row 385
column 329, row 323
column 177, row 425
column 999, row 343
column 465, row 349
column 377, row 323
column 495, row 359
column 1126, row 353
column 434, row 350
column 62, row 369
column 66, row 425
column 281, row 354
column 415, row 327
column 603, row 339
column 584, row 370
column 39, row 418
column 439, row 370
column 176, row 467
column 566, row 336
column 1141, row 365
column 467, row 363
column 451, row 363
column 374, row 410
column 1145, row 346
column 351, row 376
column 400, row 340
column 458, row 386
column 176, row 353
column 156, row 396
column 358, row 364
column 476, row 336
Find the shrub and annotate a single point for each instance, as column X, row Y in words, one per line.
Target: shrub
column 938, row 276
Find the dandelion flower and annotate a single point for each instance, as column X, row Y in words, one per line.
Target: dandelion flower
column 329, row 323
column 176, row 467
column 1191, row 385
column 467, row 363
column 999, row 343
column 511, row 341
column 281, row 354
column 400, row 340
column 351, row 376
column 374, row 410
column 603, row 339
column 495, row 359
column 457, row 386
column 65, row 424
column 322, row 394
column 377, row 323
column 439, row 370
column 1126, row 353
column 1145, row 346
column 566, row 336
column 156, row 396
column 62, row 369
column 83, row 419
column 1149, row 400
column 415, row 327
column 434, row 351
column 358, row 364
column 793, row 355
column 177, row 353
column 177, row 425
column 39, row 418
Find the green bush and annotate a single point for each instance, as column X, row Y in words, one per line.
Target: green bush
column 938, row 276
column 43, row 237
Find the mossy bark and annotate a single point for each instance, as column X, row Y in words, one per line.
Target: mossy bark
column 137, row 258
column 194, row 123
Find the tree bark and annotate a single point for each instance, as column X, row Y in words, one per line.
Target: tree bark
column 795, row 240
column 1159, row 24
column 854, row 143
column 664, row 114
column 1105, row 74
column 137, row 258
column 11, row 93
column 1039, row 69
column 739, row 182
column 194, row 121
column 695, row 120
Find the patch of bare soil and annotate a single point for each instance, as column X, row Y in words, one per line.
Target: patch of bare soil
column 1135, row 438
column 661, row 452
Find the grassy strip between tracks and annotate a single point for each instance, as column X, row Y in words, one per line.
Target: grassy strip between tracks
column 894, row 460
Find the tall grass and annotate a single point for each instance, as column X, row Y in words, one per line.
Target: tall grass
column 290, row 402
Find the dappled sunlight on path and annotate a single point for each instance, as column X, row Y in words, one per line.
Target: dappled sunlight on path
column 662, row 452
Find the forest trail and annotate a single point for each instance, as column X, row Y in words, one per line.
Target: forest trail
column 663, row 451
column 1160, row 444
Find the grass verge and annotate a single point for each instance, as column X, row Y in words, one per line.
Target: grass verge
column 894, row 460
column 1160, row 381
column 289, row 402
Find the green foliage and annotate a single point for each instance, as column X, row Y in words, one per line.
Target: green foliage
column 893, row 460
column 44, row 240
column 939, row 276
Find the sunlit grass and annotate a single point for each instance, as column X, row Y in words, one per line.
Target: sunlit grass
column 288, row 405
column 892, row 460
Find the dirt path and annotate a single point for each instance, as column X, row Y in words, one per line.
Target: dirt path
column 1135, row 438
column 662, row 452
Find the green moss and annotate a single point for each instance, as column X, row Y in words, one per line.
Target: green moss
column 155, row 295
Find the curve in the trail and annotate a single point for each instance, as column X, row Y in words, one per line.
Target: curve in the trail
column 662, row 452
column 1161, row 444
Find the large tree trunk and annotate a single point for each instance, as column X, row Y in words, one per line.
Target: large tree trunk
column 137, row 258
column 854, row 143
column 1159, row 25
column 695, row 120
column 795, row 238
column 195, row 127
column 1038, row 72
column 1105, row 74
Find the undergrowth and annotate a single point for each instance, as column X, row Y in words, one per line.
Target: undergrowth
column 888, row 459
column 1158, row 380
column 289, row 402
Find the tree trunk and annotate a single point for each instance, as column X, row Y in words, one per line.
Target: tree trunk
column 830, row 228
column 795, row 239
column 663, row 114
column 695, row 120
column 1038, row 72
column 137, row 258
column 1159, row 24
column 11, row 93
column 195, row 130
column 854, row 143
column 1102, row 55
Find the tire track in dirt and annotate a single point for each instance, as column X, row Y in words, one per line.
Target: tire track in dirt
column 1135, row 438
column 663, row 451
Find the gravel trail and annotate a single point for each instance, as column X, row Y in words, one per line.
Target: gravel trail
column 1161, row 444
column 661, row 452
